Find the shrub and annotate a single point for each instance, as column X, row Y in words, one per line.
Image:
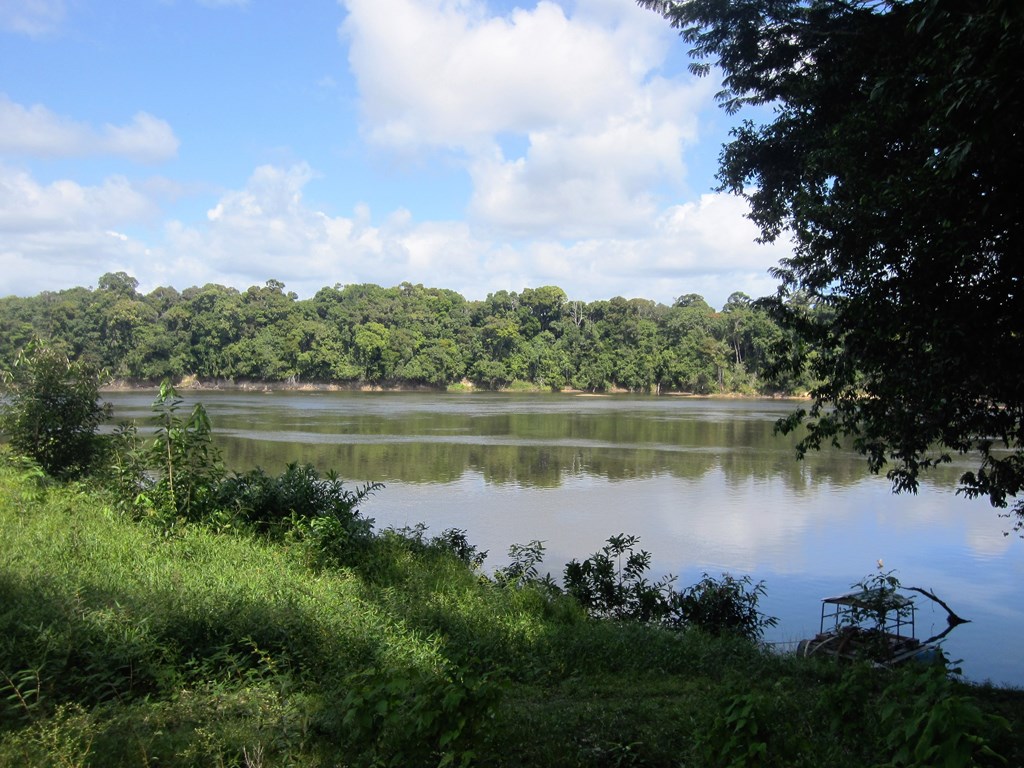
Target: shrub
column 175, row 475
column 273, row 504
column 52, row 410
column 721, row 606
column 320, row 512
column 455, row 541
column 926, row 721
column 611, row 583
column 451, row 540
column 522, row 570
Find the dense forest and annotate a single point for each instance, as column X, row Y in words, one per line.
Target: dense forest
column 407, row 335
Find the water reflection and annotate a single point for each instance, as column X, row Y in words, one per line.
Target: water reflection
column 705, row 484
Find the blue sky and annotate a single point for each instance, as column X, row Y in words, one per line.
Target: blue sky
column 476, row 145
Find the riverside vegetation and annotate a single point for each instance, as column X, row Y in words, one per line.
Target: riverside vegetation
column 158, row 610
column 407, row 335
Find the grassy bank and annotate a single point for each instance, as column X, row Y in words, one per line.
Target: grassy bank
column 123, row 644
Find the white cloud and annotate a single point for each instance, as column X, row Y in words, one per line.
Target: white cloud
column 444, row 73
column 603, row 132
column 147, row 139
column 64, row 234
column 266, row 229
column 47, row 257
column 37, row 131
column 580, row 185
column 715, row 231
column 706, row 248
column 35, row 18
column 28, row 206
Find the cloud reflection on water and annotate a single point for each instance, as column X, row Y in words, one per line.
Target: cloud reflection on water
column 705, row 484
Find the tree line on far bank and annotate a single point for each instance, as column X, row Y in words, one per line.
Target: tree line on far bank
column 406, row 335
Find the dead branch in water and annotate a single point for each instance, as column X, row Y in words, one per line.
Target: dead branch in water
column 952, row 619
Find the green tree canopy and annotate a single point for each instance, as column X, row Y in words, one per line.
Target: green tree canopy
column 891, row 161
column 399, row 336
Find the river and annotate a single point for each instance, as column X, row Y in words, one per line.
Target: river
column 704, row 483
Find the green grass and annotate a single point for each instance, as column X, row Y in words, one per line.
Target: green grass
column 124, row 645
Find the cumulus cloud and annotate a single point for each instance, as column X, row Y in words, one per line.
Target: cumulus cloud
column 67, row 234
column 27, row 206
column 707, row 248
column 267, row 229
column 37, row 131
column 63, row 234
column 579, row 185
column 602, row 131
column 448, row 73
column 146, row 138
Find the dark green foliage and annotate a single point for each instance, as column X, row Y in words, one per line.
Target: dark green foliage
column 878, row 604
column 523, row 570
column 414, row 717
column 403, row 336
column 738, row 736
column 51, row 410
column 273, row 505
column 917, row 717
column 318, row 511
column 187, row 464
column 452, row 541
column 890, row 158
column 612, row 583
column 721, row 606
column 924, row 722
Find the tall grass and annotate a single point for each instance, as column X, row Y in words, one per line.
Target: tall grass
column 100, row 612
column 124, row 643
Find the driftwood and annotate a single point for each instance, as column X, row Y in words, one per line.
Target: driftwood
column 952, row 619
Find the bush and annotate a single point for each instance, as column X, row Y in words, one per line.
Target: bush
column 174, row 476
column 318, row 511
column 52, row 411
column 721, row 606
column 454, row 541
column 612, row 584
column 523, row 568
